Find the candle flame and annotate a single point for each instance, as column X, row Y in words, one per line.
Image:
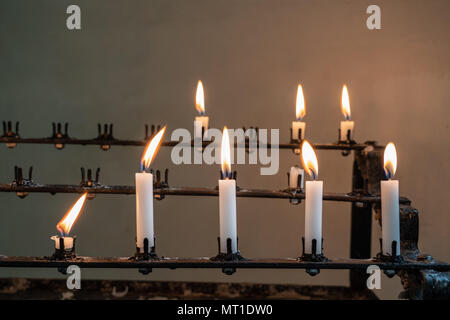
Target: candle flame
column 71, row 216
column 309, row 160
column 200, row 98
column 300, row 110
column 225, row 155
column 345, row 103
column 390, row 160
column 152, row 148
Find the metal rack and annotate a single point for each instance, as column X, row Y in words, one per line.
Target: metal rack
column 422, row 276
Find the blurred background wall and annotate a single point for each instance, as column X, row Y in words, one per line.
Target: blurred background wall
column 137, row 62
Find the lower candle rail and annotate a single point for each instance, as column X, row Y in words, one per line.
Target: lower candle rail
column 195, row 263
column 187, row 191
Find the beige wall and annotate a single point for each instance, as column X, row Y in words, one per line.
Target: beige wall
column 137, row 62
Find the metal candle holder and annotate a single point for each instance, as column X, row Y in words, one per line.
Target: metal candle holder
column 147, row 255
column 228, row 256
column 394, row 258
column 312, row 257
column 298, row 189
column 299, row 140
column 348, row 141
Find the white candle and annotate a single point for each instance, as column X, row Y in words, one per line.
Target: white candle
column 68, row 242
column 313, row 200
column 347, row 126
column 294, row 176
column 227, row 199
column 227, row 206
column 300, row 112
column 390, row 218
column 296, row 127
column 313, row 215
column 201, row 121
column 144, row 195
column 144, row 210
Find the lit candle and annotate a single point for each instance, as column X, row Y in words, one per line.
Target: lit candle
column 227, row 199
column 299, row 126
column 66, row 223
column 390, row 220
column 201, row 121
column 346, row 132
column 144, row 194
column 313, row 200
column 296, row 178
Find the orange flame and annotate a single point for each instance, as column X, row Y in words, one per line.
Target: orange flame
column 200, row 98
column 309, row 160
column 345, row 103
column 225, row 155
column 71, row 216
column 390, row 160
column 300, row 110
column 152, row 148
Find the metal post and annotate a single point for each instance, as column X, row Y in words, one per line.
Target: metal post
column 367, row 173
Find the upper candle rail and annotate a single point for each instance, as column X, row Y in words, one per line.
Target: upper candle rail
column 105, row 139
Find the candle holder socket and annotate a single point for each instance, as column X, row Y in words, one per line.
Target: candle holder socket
column 106, row 135
column 57, row 133
column 19, row 180
column 296, row 141
column 393, row 258
column 228, row 256
column 9, row 133
column 312, row 257
column 153, row 130
column 349, row 141
column 149, row 253
column 160, row 184
column 296, row 190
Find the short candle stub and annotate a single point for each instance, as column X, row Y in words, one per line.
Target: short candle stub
column 64, row 247
column 348, row 137
column 229, row 255
column 299, row 137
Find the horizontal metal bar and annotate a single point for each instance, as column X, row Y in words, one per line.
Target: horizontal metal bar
column 188, row 191
column 175, row 263
column 118, row 142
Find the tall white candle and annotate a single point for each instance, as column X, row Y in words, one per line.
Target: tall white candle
column 227, row 199
column 294, row 176
column 313, row 200
column 201, row 122
column 347, row 126
column 313, row 215
column 390, row 212
column 144, row 210
column 227, row 206
column 300, row 112
column 144, row 195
